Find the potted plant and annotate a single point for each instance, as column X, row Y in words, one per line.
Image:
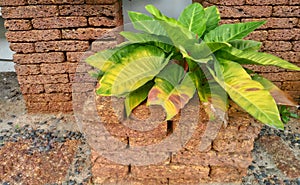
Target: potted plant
column 169, row 61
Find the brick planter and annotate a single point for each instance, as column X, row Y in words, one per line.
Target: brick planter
column 224, row 158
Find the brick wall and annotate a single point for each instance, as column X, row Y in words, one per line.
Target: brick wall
column 51, row 37
column 280, row 35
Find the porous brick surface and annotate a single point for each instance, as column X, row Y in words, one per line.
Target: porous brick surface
column 18, row 24
column 51, row 39
column 22, row 47
column 59, row 22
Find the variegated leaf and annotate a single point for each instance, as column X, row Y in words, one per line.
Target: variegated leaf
column 172, row 90
column 249, row 94
column 279, row 96
column 137, row 97
column 141, row 65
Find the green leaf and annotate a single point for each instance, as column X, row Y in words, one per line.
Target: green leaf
column 294, row 115
column 145, row 23
column 213, row 89
column 137, row 97
column 101, row 60
column 246, row 44
column 178, row 34
column 286, row 114
column 215, row 46
column 104, row 60
column 192, row 17
column 167, row 48
column 136, row 69
column 210, row 92
column 212, row 16
column 158, row 15
column 160, row 41
column 96, row 74
column 229, row 32
column 249, row 94
column 203, row 50
column 138, row 17
column 216, row 95
column 181, row 38
column 144, row 37
column 217, row 99
column 279, row 96
column 200, row 52
column 172, row 90
column 198, row 78
column 254, row 57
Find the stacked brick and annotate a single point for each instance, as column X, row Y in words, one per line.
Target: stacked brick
column 280, row 35
column 208, row 153
column 50, row 39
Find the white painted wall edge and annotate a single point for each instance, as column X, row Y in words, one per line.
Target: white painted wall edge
column 7, row 67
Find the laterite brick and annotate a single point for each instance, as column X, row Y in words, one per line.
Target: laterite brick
column 33, row 107
column 60, row 106
column 282, row 76
column 53, row 97
column 294, row 2
column 286, row 11
column 296, row 46
column 267, row 2
column 81, row 78
column 291, row 86
column 66, row 67
column 19, row 24
column 32, row 88
column 88, row 33
column 33, row 35
column 245, row 11
column 171, row 171
column 58, row 88
column 260, row 35
column 27, row 69
column 227, row 2
column 78, row 56
column 22, row 47
column 275, row 22
column 59, row 22
column 29, row 11
column 103, row 21
column 37, row 58
column 12, row 2
column 103, row 45
column 35, row 2
column 277, row 46
column 283, row 34
column 100, row 2
column 87, row 10
column 62, row 45
column 43, row 79
column 281, row 22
